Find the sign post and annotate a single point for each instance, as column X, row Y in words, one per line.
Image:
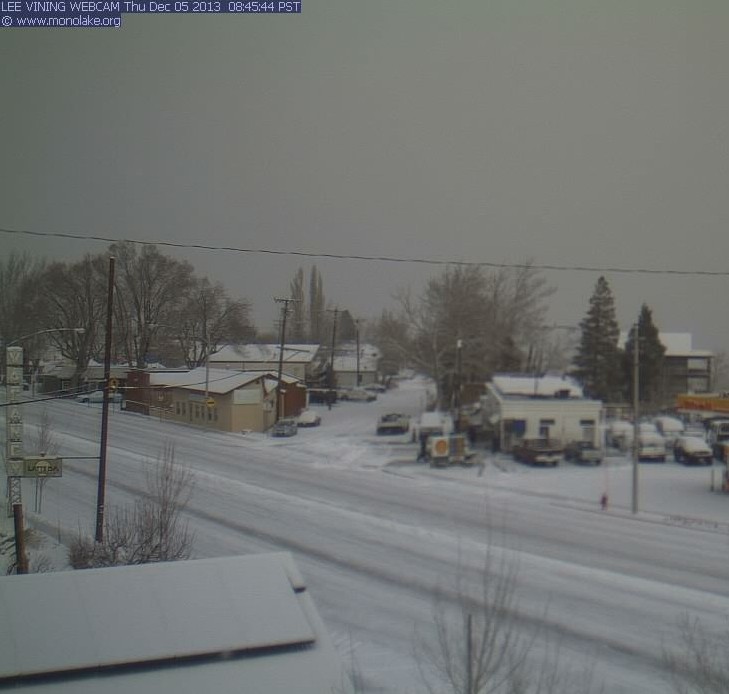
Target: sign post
column 14, row 425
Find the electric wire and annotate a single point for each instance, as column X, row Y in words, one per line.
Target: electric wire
column 377, row 258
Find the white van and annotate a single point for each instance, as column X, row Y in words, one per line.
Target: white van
column 669, row 427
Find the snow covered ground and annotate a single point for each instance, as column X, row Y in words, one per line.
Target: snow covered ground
column 375, row 533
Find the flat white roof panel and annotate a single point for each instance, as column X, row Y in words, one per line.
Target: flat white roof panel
column 145, row 613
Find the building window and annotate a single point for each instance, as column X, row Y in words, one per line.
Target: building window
column 177, row 408
column 544, row 428
column 183, row 407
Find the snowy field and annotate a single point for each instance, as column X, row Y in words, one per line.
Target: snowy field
column 375, row 533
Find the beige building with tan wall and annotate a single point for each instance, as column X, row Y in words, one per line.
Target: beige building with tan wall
column 236, row 400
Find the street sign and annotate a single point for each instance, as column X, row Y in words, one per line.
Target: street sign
column 42, row 466
column 14, row 375
column 14, row 356
column 210, row 403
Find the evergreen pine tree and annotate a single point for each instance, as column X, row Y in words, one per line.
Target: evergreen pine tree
column 650, row 359
column 597, row 360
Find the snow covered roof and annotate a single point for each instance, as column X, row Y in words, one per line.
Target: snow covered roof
column 266, row 353
column 166, row 627
column 218, row 380
column 524, row 385
column 676, row 344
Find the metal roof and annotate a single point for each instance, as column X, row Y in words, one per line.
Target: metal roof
column 218, row 380
column 245, row 623
column 265, row 353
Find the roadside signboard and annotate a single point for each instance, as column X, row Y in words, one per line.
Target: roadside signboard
column 42, row 466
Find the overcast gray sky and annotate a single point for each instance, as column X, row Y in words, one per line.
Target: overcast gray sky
column 575, row 133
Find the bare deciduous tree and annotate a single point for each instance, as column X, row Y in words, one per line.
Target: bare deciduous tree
column 19, row 296
column 150, row 288
column 494, row 317
column 481, row 644
column 699, row 665
column 152, row 530
column 44, row 443
column 209, row 318
column 75, row 298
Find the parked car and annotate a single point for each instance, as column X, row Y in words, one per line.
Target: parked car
column 692, row 449
column 376, row 387
column 538, row 452
column 651, row 447
column 393, row 423
column 284, row 427
column 98, row 396
column 308, row 418
column 583, row 452
column 357, row 395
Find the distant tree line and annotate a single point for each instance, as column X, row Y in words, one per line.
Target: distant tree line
column 469, row 323
column 161, row 308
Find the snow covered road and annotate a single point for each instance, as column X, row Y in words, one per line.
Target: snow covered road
column 374, row 533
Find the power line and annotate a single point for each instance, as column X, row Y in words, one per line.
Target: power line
column 377, row 258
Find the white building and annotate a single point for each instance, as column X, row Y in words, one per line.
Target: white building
column 517, row 407
column 298, row 360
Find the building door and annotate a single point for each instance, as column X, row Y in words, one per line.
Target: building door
column 545, row 428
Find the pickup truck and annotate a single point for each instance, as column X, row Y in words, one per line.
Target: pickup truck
column 538, row 452
column 393, row 423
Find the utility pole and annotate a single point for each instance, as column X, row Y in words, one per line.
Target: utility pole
column 101, row 491
column 457, row 389
column 356, row 333
column 206, row 347
column 284, row 313
column 331, row 360
column 636, row 414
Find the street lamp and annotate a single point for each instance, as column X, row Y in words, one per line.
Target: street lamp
column 78, row 331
